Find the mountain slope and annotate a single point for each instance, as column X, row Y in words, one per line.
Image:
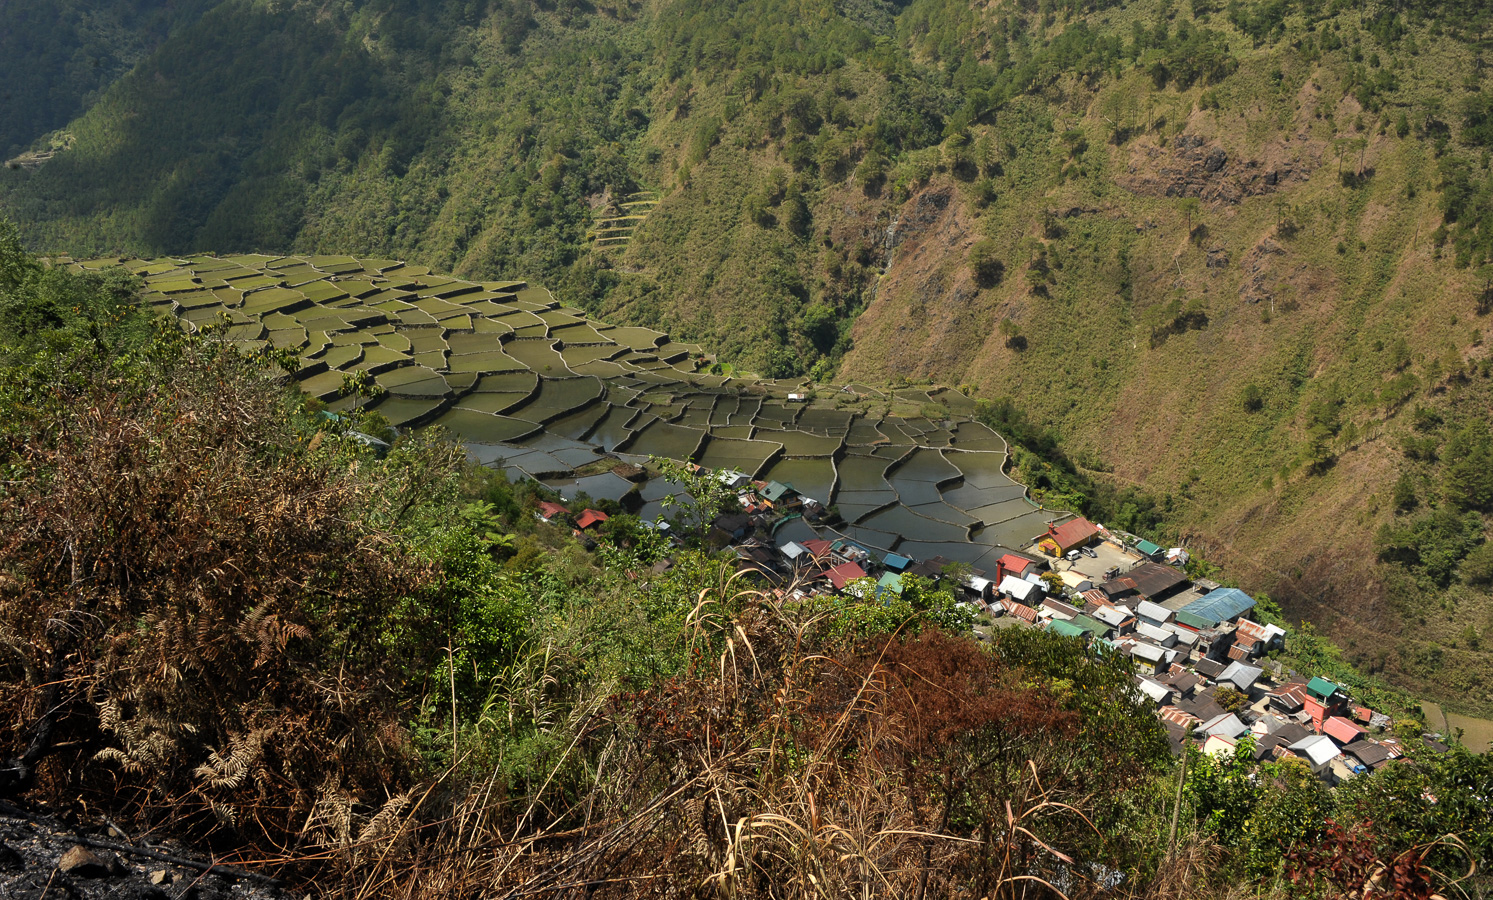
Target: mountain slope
column 57, row 56
column 1227, row 252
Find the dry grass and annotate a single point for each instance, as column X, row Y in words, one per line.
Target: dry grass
column 193, row 608
column 776, row 767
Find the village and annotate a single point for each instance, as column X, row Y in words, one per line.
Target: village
column 1200, row 660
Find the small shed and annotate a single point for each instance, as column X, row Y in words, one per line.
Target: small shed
column 896, row 562
column 1147, row 548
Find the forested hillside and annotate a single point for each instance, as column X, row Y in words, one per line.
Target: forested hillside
column 58, row 56
column 1235, row 255
column 226, row 619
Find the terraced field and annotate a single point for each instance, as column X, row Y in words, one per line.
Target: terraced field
column 539, row 390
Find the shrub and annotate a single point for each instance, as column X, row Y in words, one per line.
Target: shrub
column 985, row 263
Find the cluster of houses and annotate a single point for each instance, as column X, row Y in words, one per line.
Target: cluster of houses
column 551, row 513
column 1200, row 659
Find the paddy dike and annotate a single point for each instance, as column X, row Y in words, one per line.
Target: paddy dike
column 541, row 391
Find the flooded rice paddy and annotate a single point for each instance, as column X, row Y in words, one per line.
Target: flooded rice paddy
column 538, row 390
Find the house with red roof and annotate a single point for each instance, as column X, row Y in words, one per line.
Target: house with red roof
column 1011, row 564
column 1342, row 730
column 843, row 574
column 1070, row 535
column 590, row 517
column 549, row 511
column 818, row 549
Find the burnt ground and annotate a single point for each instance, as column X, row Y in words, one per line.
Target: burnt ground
column 43, row 857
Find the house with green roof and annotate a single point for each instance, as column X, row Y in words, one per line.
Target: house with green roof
column 776, row 491
column 1066, row 629
column 1092, row 627
column 1321, row 688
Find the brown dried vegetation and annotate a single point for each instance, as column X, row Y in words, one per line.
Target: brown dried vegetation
column 783, row 767
column 191, row 609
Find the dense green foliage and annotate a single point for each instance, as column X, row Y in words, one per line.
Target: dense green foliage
column 343, row 628
column 57, row 58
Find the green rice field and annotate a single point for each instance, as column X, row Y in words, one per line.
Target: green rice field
column 540, row 391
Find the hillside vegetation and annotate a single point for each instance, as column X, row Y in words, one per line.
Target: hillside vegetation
column 224, row 619
column 1224, row 251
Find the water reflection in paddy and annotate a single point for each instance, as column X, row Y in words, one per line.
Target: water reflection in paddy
column 810, row 477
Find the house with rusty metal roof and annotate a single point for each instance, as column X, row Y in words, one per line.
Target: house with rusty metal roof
column 1156, row 582
column 1070, row 535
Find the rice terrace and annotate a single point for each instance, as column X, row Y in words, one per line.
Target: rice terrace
column 541, row 391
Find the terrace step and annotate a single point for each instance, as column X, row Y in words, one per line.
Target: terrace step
column 618, row 231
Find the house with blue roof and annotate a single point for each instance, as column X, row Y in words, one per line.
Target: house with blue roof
column 1216, row 607
column 896, row 562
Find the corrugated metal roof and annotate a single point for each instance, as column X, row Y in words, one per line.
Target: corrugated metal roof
column 1016, row 564
column 1321, row 688
column 1019, row 588
column 1159, row 635
column 1090, row 625
column 1342, row 730
column 1066, row 629
column 1186, row 618
column 1153, row 611
column 1227, row 725
column 1155, row 580
column 1178, row 717
column 1240, row 675
column 1074, row 533
column 1222, row 605
column 1318, row 748
column 1149, row 652
column 1147, row 548
column 845, row 573
column 1153, row 689
column 1020, row 611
